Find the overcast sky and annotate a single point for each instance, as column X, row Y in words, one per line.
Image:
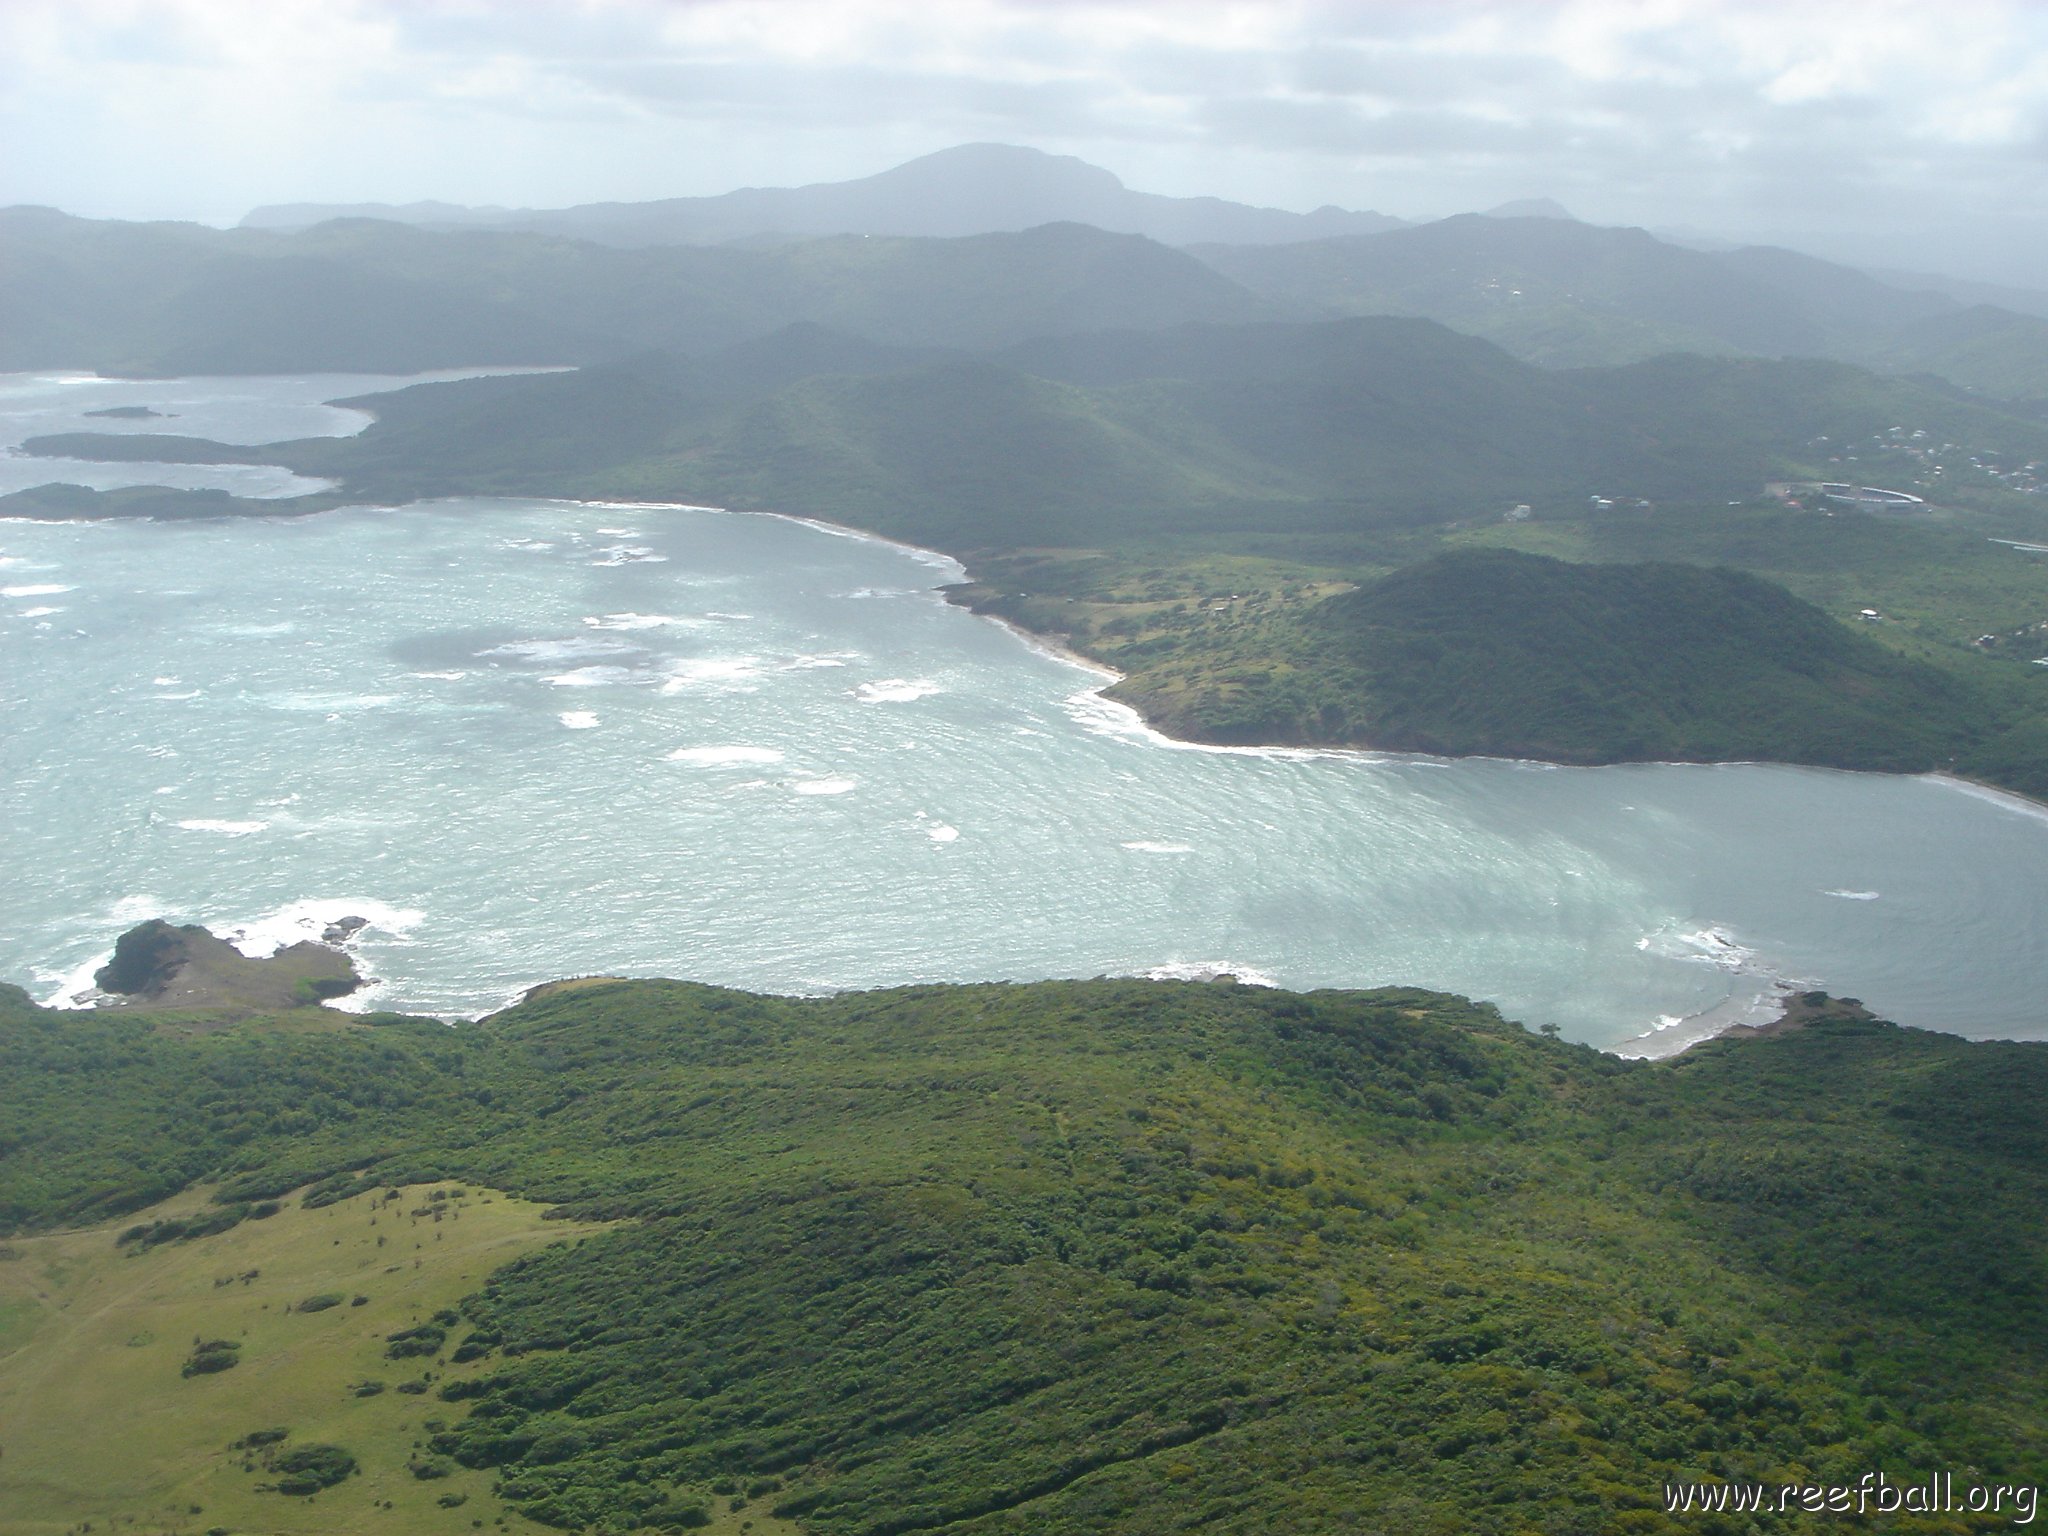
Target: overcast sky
column 1908, row 134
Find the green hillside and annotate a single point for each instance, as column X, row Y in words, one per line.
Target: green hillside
column 1982, row 347
column 1515, row 655
column 1109, row 1256
column 1319, row 429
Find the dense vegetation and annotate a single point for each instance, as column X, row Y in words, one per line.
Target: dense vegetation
column 1306, row 432
column 1491, row 651
column 1137, row 1256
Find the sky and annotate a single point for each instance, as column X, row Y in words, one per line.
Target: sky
column 1894, row 134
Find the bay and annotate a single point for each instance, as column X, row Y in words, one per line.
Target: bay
column 531, row 739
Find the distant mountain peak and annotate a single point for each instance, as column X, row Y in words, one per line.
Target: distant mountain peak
column 1532, row 208
column 1014, row 160
column 968, row 189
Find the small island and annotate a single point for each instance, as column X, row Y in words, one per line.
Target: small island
column 158, row 965
column 132, row 413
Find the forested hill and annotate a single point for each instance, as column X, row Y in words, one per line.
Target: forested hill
column 1087, row 1257
column 1245, row 431
column 1514, row 655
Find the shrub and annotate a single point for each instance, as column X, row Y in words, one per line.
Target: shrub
column 410, row 1342
column 213, row 1356
column 310, row 1468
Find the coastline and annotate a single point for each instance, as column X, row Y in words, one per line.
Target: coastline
column 2012, row 799
column 1103, row 677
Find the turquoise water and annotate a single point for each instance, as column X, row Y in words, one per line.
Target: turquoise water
column 532, row 739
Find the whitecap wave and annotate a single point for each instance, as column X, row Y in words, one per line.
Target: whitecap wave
column 596, row 677
column 824, row 786
column 578, row 719
column 224, row 828
column 329, row 703
column 575, row 648
column 720, row 757
column 76, row 988
column 943, row 833
column 1705, row 945
column 629, row 555
column 1208, row 970
column 729, row 672
column 633, row 621
column 36, row 589
column 37, row 613
column 439, row 677
column 317, row 918
column 1854, row 895
column 896, row 690
column 1146, row 847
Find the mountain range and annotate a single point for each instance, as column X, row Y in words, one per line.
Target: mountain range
column 972, row 189
column 983, row 246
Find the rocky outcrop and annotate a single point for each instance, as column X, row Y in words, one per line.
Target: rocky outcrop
column 159, row 965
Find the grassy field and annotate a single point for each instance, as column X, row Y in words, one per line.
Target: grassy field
column 99, row 1428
